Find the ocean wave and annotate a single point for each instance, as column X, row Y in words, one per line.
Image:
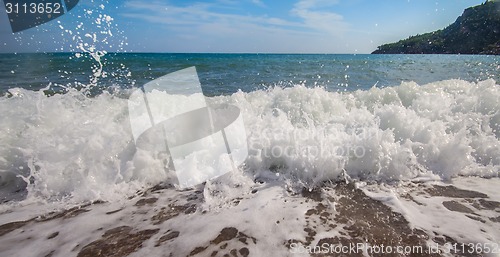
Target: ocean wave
column 77, row 148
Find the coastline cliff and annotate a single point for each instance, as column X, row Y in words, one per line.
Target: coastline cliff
column 476, row 31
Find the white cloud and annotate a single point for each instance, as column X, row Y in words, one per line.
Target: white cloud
column 323, row 21
column 212, row 31
column 308, row 4
column 259, row 3
column 195, row 14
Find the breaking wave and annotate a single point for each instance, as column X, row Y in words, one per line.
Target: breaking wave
column 69, row 146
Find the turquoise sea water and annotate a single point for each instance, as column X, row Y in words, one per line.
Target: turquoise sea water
column 227, row 73
column 318, row 118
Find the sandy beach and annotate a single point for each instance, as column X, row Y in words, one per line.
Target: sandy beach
column 269, row 219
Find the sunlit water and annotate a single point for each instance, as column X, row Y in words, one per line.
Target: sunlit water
column 310, row 118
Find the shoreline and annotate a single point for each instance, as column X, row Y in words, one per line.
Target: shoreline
column 267, row 219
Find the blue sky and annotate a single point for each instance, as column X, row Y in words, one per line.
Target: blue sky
column 255, row 26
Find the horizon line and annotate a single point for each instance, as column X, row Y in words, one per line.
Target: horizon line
column 154, row 52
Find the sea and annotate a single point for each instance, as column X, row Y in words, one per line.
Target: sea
column 385, row 123
column 224, row 74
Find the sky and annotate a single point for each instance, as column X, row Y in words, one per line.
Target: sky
column 230, row 26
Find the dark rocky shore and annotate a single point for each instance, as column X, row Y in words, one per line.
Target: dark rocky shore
column 476, row 31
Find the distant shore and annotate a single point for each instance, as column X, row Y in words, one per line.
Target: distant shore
column 476, row 31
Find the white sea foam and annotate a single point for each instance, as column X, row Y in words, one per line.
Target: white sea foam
column 77, row 148
column 444, row 129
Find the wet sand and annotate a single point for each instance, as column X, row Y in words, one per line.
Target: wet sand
column 339, row 214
